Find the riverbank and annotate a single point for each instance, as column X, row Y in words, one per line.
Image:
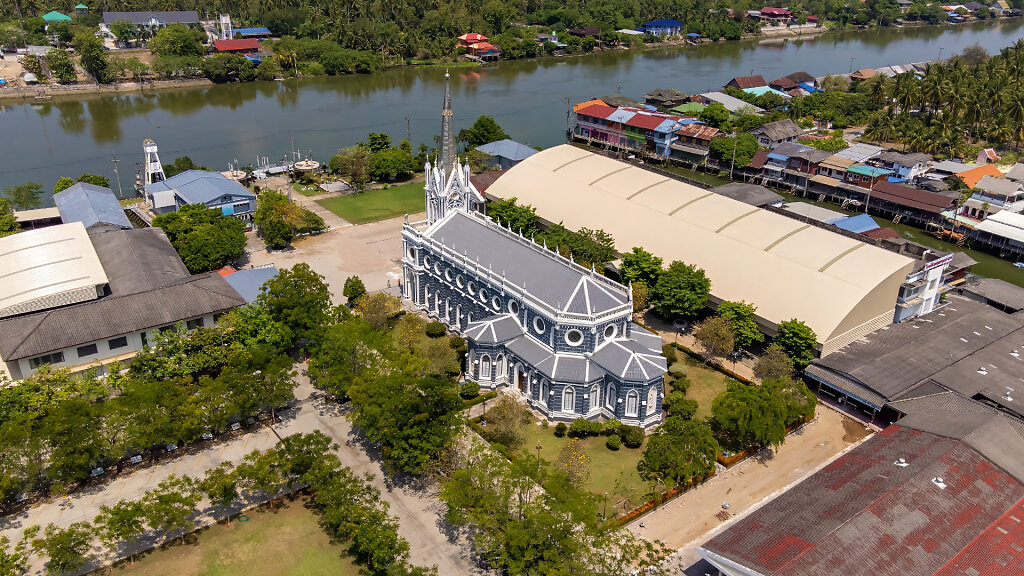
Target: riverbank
column 47, row 91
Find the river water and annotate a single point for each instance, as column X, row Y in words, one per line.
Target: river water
column 220, row 124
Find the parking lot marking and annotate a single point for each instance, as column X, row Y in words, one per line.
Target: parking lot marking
column 122, row 486
column 39, row 514
column 198, row 460
column 94, row 497
column 150, row 477
column 176, row 462
column 247, row 436
column 222, row 451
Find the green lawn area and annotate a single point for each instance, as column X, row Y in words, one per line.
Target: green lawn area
column 705, row 384
column 610, row 471
column 307, row 189
column 374, row 205
column 285, row 542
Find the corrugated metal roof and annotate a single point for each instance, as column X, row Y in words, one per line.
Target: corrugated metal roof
column 169, row 17
column 48, row 267
column 90, row 205
column 249, row 282
column 510, row 149
column 138, row 260
column 201, row 187
column 1004, row 223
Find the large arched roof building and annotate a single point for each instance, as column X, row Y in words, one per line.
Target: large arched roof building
column 841, row 287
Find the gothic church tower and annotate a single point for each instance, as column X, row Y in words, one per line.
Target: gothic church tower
column 448, row 187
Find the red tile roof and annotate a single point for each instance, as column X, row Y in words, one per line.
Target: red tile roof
column 246, row 45
column 911, row 197
column 881, row 233
column 597, row 111
column 971, row 177
column 646, row 121
column 783, row 84
column 759, row 160
column 699, row 131
column 484, row 181
column 775, row 11
column 744, row 82
column 864, row 516
column 473, row 37
column 999, row 550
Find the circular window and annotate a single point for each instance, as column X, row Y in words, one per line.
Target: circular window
column 426, row 261
column 610, row 331
column 448, row 274
column 460, row 281
column 472, row 287
column 513, row 307
column 412, row 253
column 483, row 296
column 538, row 325
column 496, row 302
column 574, row 337
column 437, row 268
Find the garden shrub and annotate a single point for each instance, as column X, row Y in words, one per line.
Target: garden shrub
column 632, row 436
column 581, row 428
column 561, row 429
column 613, row 442
column 436, row 329
column 469, row 390
column 611, row 427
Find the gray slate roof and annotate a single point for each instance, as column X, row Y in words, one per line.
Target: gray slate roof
column 90, row 205
column 753, row 194
column 170, row 17
column 138, row 260
column 951, row 167
column 650, row 340
column 496, row 329
column 629, row 360
column 1016, row 173
column 510, row 149
column 905, row 160
column 860, row 152
column 43, row 332
column 1000, row 186
column 201, row 187
column 569, row 368
column 249, row 282
column 999, row 291
column 545, row 275
column 779, row 130
column 529, row 350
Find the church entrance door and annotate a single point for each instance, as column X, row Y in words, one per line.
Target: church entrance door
column 521, row 379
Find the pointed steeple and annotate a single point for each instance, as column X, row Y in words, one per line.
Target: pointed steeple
column 449, row 153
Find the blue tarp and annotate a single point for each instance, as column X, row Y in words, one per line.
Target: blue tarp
column 693, row 35
column 253, row 31
column 895, row 179
column 227, row 210
column 857, row 224
column 809, row 87
column 775, row 156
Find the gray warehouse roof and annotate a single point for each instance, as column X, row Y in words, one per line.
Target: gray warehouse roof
column 507, row 149
column 200, row 186
column 90, row 205
column 169, row 17
column 753, row 194
column 1009, row 296
column 138, row 260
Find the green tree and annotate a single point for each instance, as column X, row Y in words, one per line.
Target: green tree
column 353, row 163
column 521, row 219
column 681, row 291
column 741, row 319
column 714, row 114
column 177, row 40
column 24, row 196
column 205, row 238
column 122, row 522
column 92, row 56
column 66, row 548
column 483, row 131
column 413, row 419
column 378, row 309
column 63, row 183
column 715, row 336
column 639, row 265
column 124, row 30
column 59, row 62
column 679, row 452
column 391, row 163
column 299, row 299
column 351, row 351
column 774, row 363
column 748, row 416
column 71, row 430
column 797, row 340
column 13, row 561
column 736, row 150
column 170, row 506
column 95, row 180
column 225, row 67
column 8, row 221
column 180, row 164
column 268, row 70
column 641, row 296
column 354, row 288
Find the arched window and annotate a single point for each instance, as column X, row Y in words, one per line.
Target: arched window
column 652, row 400
column 469, row 317
column 545, row 389
column 632, row 401
column 485, row 367
column 568, row 400
column 609, row 396
column 448, row 309
column 595, row 397
column 499, row 368
column 458, row 315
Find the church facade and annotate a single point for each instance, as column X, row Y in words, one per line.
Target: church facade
column 559, row 334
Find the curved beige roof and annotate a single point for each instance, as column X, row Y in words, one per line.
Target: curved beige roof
column 837, row 285
column 48, row 267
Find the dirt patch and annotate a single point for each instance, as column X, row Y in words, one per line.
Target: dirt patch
column 854, row 431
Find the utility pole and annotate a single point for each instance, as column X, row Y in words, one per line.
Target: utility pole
column 120, row 192
column 851, row 65
column 568, row 113
column 291, row 176
column 735, row 141
column 408, row 131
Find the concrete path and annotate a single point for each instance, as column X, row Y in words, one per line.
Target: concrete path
column 418, row 511
column 280, row 184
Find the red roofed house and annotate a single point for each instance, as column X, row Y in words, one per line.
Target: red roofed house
column 627, row 128
column 776, row 16
column 246, row 46
column 484, row 51
column 472, row 38
column 694, row 142
column 744, row 82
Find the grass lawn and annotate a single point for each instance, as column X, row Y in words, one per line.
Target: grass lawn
column 374, row 205
column 610, row 471
column 285, row 542
column 705, row 384
column 307, row 189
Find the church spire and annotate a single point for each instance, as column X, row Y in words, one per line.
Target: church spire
column 449, row 154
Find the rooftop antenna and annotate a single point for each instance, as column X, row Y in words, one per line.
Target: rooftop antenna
column 120, row 192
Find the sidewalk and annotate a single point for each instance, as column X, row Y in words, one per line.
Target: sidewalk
column 417, row 511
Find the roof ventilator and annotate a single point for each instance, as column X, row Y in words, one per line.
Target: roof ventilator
column 1015, row 353
column 901, row 462
column 982, row 371
column 938, row 481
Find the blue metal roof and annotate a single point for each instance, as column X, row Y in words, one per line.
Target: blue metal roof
column 90, row 205
column 775, row 156
column 857, row 224
column 664, row 23
column 809, row 87
column 871, row 171
column 510, row 149
column 252, row 31
column 249, row 282
column 692, row 35
column 200, row 187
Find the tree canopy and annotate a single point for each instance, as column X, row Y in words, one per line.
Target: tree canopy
column 205, row 238
column 741, row 319
column 24, row 196
column 639, row 265
column 797, row 340
column 681, row 291
column 483, row 131
column 680, row 451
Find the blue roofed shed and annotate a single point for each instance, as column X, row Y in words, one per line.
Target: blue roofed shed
column 507, row 153
column 253, row 32
column 857, row 224
column 249, row 282
column 95, row 207
column 663, row 27
column 201, row 187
